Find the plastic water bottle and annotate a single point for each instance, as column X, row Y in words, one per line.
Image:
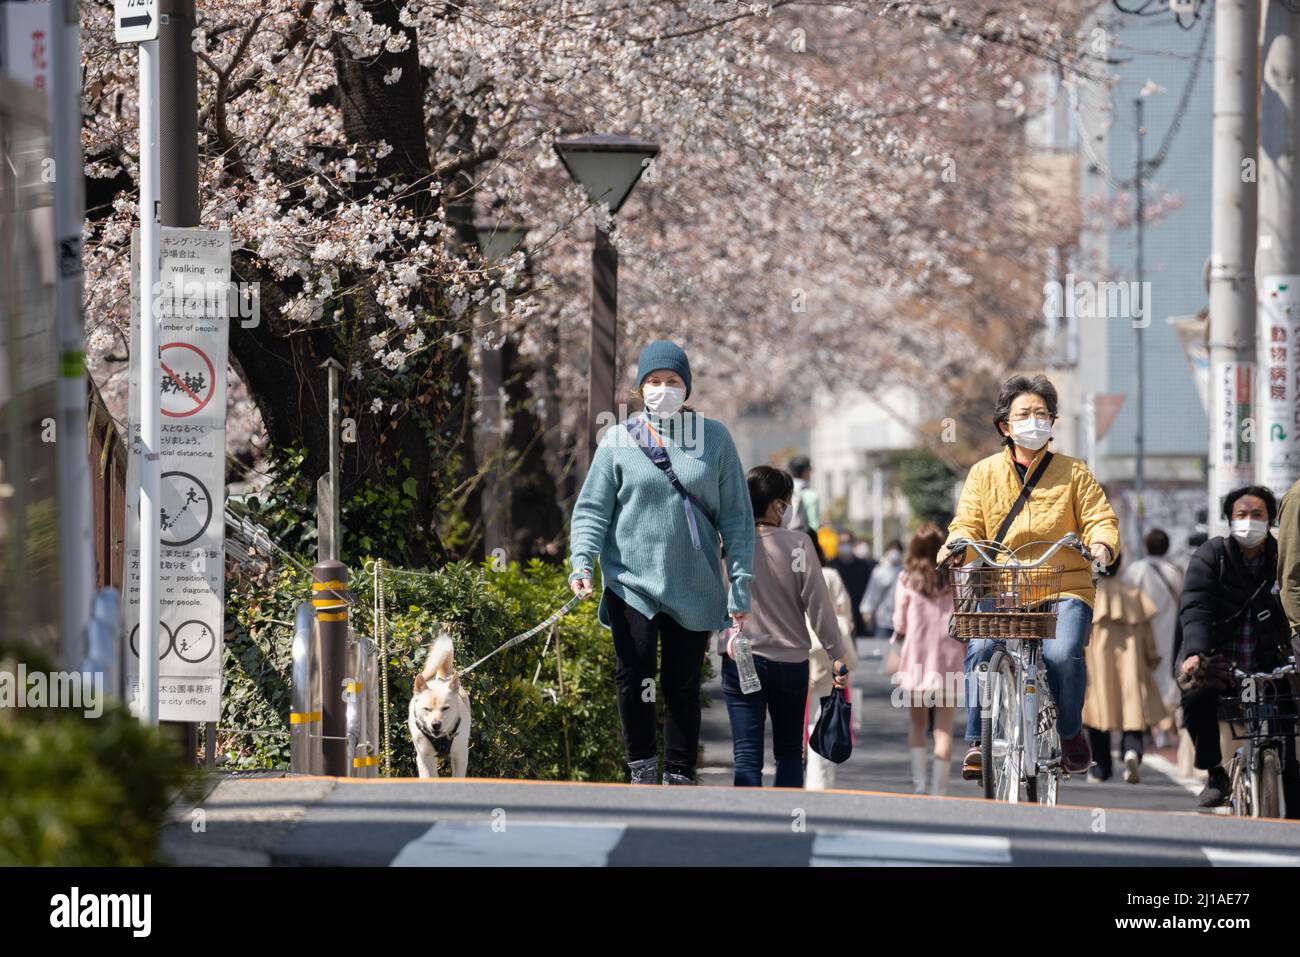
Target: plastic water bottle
column 744, row 658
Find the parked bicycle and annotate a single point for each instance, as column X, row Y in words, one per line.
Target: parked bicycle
column 1008, row 599
column 1262, row 713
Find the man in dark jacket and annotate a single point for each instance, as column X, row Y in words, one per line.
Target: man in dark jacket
column 1229, row 615
column 856, row 571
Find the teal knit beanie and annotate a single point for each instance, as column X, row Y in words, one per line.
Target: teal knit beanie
column 662, row 354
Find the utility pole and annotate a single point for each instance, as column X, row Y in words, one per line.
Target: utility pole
column 1232, row 252
column 1277, row 258
column 178, row 112
column 1139, row 437
column 76, row 567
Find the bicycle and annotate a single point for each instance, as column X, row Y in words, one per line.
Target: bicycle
column 1001, row 597
column 1256, row 769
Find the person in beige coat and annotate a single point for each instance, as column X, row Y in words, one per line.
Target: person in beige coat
column 820, row 773
column 1122, row 694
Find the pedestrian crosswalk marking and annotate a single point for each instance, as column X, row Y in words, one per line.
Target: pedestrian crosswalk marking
column 1235, row 857
column 517, row 844
column 881, row 847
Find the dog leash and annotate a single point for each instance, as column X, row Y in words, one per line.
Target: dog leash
column 524, row 636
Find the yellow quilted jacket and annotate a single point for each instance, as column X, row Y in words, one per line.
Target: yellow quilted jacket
column 1066, row 499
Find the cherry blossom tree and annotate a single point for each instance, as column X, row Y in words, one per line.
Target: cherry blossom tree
column 839, row 197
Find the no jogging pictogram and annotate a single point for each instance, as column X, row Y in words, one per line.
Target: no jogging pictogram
column 188, row 380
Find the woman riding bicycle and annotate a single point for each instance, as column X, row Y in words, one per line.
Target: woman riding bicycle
column 1064, row 498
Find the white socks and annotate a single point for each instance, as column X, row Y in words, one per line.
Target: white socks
column 918, row 769
column 939, row 779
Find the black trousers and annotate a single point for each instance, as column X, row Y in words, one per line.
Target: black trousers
column 636, row 648
column 1201, row 719
column 1100, row 742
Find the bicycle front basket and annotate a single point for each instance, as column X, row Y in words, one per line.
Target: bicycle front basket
column 1003, row 601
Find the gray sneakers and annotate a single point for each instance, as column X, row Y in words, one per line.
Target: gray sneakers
column 672, row 777
column 644, row 771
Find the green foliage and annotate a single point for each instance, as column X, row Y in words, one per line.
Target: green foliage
column 519, row 730
column 927, row 482
column 258, row 662
column 376, row 516
column 78, row 791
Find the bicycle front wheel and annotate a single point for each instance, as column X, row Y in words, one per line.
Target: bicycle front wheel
column 1000, row 731
column 1239, row 780
column 1042, row 780
column 1266, row 781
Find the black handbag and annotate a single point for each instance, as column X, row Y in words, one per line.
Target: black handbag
column 832, row 738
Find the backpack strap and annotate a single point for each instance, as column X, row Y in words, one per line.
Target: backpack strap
column 1025, row 491
column 658, row 455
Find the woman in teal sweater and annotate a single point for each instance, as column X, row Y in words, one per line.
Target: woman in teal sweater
column 661, row 572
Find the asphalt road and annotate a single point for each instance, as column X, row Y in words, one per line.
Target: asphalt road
column 318, row 821
column 870, row 819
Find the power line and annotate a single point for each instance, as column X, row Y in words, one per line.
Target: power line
column 1155, row 8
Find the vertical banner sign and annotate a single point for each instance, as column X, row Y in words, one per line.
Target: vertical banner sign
column 195, row 280
column 25, row 42
column 1278, row 426
column 1233, row 464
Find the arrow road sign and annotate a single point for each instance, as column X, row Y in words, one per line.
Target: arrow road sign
column 135, row 21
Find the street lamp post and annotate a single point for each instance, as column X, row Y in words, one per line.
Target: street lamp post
column 607, row 167
column 497, row 241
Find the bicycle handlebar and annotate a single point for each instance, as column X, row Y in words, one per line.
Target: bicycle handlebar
column 1281, row 671
column 957, row 547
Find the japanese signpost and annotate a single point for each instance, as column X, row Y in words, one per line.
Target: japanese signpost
column 193, row 338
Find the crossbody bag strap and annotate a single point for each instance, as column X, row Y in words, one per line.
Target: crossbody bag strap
column 658, row 457
column 1249, row 601
column 1025, row 491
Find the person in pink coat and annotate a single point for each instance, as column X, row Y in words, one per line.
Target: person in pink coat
column 930, row 664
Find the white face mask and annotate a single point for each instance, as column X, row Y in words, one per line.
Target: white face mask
column 663, row 399
column 1031, row 433
column 861, row 551
column 1249, row 531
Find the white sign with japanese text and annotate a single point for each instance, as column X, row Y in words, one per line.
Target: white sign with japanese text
column 1278, row 413
column 25, row 51
column 194, row 340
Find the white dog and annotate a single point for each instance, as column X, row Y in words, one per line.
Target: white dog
column 439, row 714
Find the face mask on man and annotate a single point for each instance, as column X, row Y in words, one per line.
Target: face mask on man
column 844, row 552
column 861, row 551
column 1031, row 433
column 663, row 399
column 1249, row 532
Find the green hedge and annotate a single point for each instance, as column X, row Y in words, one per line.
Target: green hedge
column 77, row 791
column 519, row 731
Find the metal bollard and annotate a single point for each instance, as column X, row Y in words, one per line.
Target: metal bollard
column 304, row 709
column 330, row 598
column 360, row 693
